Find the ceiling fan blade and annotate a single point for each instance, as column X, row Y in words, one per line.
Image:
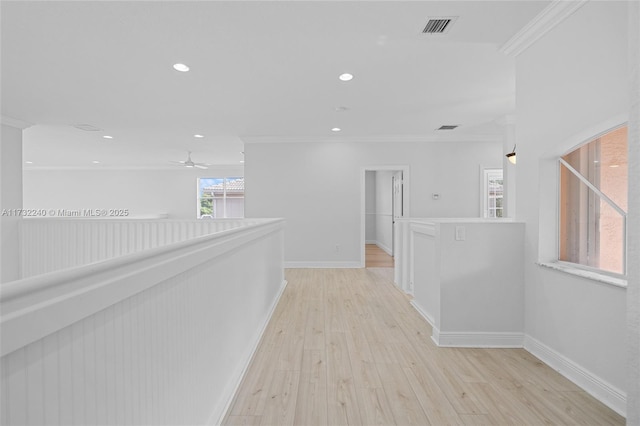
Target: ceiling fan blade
column 177, row 162
column 199, row 166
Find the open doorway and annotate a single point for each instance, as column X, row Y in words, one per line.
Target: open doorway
column 384, row 193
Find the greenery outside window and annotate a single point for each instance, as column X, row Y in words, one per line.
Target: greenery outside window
column 220, row 197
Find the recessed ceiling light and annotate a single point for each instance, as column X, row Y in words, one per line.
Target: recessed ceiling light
column 242, row 161
column 28, row 162
column 336, row 129
column 180, row 67
column 95, row 162
column 108, row 137
column 198, row 136
column 346, row 76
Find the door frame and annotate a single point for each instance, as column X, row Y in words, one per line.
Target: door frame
column 406, row 191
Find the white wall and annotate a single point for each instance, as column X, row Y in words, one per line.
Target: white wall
column 143, row 192
column 633, row 225
column 10, row 199
column 316, row 188
column 370, row 206
column 384, row 219
column 571, row 80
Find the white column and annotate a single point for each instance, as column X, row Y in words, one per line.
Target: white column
column 10, row 197
column 508, row 169
column 633, row 221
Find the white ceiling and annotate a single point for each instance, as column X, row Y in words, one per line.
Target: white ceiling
column 263, row 70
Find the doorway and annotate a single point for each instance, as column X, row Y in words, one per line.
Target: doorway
column 384, row 198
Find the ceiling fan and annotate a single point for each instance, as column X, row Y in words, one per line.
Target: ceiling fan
column 189, row 163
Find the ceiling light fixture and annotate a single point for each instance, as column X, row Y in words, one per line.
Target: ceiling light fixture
column 198, row 136
column 336, row 129
column 180, row 67
column 108, row 137
column 95, row 162
column 28, row 162
column 346, row 77
column 512, row 156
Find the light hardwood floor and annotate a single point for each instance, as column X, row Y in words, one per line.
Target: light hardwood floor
column 345, row 347
column 375, row 257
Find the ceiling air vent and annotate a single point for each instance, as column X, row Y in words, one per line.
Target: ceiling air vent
column 448, row 127
column 439, row 25
column 86, row 127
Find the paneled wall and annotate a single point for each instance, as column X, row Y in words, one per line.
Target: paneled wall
column 53, row 244
column 165, row 341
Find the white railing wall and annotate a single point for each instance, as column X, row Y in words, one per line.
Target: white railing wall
column 49, row 245
column 467, row 278
column 160, row 336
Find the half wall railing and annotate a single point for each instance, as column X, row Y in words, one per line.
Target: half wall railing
column 159, row 331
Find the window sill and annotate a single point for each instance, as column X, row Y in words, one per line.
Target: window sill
column 592, row 275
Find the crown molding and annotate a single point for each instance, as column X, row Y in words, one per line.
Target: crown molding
column 14, row 122
column 544, row 22
column 173, row 169
column 374, row 139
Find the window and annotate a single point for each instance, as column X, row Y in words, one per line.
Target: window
column 220, row 197
column 493, row 198
column 593, row 203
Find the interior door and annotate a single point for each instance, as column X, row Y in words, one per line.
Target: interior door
column 397, row 209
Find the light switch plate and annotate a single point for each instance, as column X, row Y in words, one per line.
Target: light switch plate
column 461, row 233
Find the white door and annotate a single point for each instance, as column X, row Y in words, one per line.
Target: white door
column 397, row 205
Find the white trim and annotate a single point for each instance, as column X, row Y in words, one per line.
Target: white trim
column 597, row 276
column 423, row 313
column 216, row 418
column 545, row 21
column 603, row 391
column 313, row 264
column 452, row 137
column 478, row 339
column 67, row 296
column 576, row 140
column 14, row 122
column 406, row 199
column 196, row 172
column 384, row 248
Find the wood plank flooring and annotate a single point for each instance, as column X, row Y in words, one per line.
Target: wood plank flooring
column 345, row 347
column 375, row 257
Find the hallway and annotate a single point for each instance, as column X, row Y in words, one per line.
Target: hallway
column 375, row 257
column 344, row 346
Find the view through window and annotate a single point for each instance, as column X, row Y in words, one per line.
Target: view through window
column 221, row 197
column 494, row 193
column 593, row 203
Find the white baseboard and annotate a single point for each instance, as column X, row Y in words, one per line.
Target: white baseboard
column 469, row 339
column 473, row 339
column 322, row 264
column 384, row 248
column 423, row 313
column 217, row 418
column 603, row 391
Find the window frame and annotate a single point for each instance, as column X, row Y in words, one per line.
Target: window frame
column 617, row 279
column 484, row 201
column 224, row 197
